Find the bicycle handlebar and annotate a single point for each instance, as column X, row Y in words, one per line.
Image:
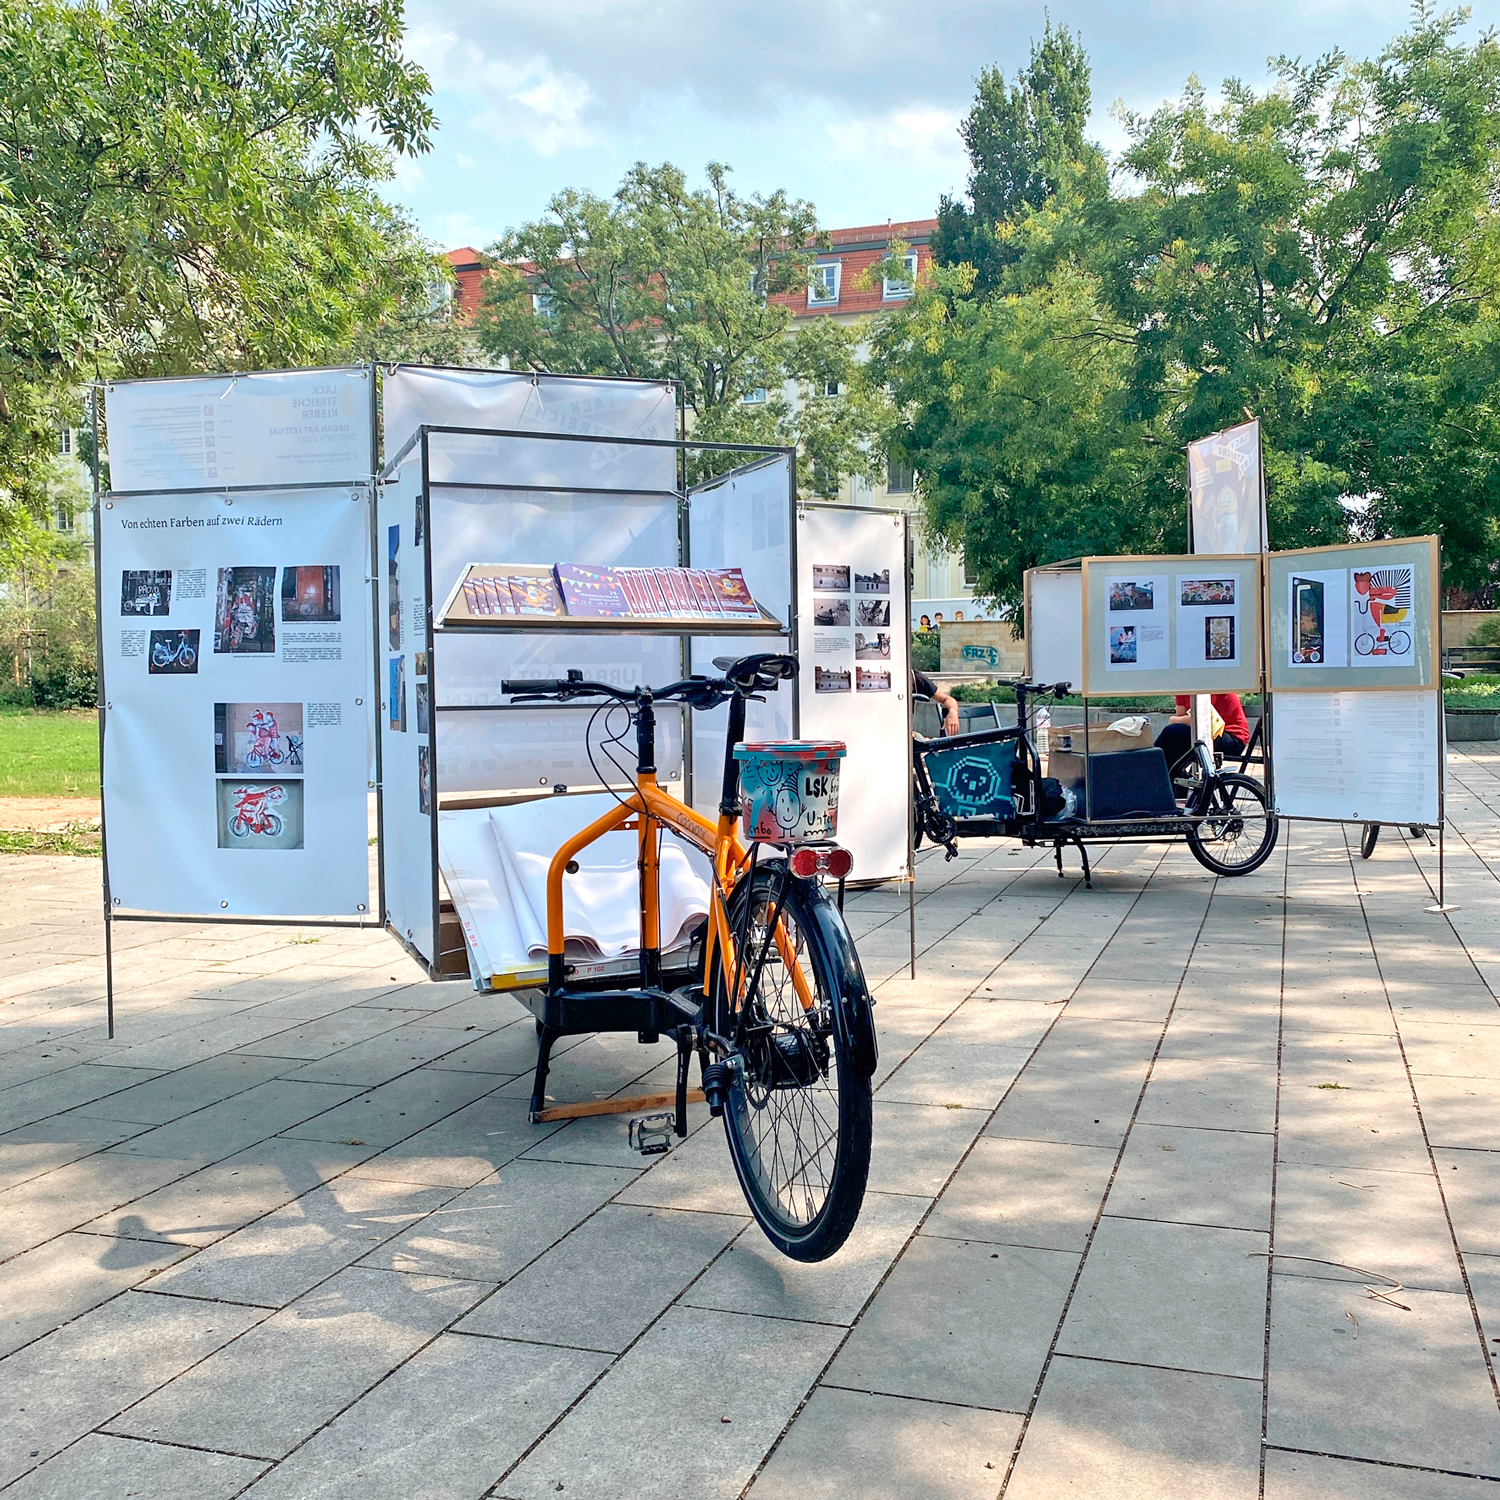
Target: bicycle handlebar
column 747, row 675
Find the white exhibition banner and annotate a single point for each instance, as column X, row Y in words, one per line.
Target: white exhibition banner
column 1358, row 756
column 1224, row 484
column 227, row 431
column 236, row 672
column 855, row 680
column 1054, row 625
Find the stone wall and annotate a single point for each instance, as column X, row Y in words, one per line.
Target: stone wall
column 982, row 646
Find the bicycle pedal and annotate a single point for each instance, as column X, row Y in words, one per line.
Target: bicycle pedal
column 651, row 1135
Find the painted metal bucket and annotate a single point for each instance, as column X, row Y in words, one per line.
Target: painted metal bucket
column 789, row 790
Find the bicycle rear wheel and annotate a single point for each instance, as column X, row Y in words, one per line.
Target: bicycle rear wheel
column 1238, row 831
column 797, row 1113
column 1367, row 840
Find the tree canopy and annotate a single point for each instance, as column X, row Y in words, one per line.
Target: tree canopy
column 664, row 281
column 190, row 185
column 1321, row 254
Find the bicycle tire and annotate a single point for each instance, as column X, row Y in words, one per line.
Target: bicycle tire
column 1368, row 646
column 1404, row 637
column 1202, row 847
column 763, row 1130
column 1368, row 838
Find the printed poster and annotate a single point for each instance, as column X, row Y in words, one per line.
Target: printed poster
column 1380, row 604
column 1208, row 618
column 1136, row 612
column 1317, row 606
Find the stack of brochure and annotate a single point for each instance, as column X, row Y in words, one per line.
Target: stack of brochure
column 579, row 591
column 494, row 862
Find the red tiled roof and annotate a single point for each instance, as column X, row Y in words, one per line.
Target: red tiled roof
column 469, row 274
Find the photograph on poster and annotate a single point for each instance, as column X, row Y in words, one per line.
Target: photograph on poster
column 873, row 583
column 1317, row 606
column 872, row 612
column 830, row 578
column 245, row 612
column 424, row 780
column 173, row 652
column 832, row 679
column 1127, row 594
column 422, row 716
column 872, row 679
column 1380, row 602
column 310, row 594
column 872, row 647
column 419, row 663
column 1207, row 590
column 264, row 737
column 260, row 814
column 146, row 592
column 393, row 566
column 398, row 693
column 1218, row 638
column 1122, row 645
column 830, row 612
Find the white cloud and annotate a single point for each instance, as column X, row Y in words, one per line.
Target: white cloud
column 923, row 138
column 465, row 163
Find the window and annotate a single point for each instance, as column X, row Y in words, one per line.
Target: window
column 823, row 288
column 755, row 397
column 971, row 573
column 900, row 477
column 827, row 387
column 899, row 291
column 544, row 304
column 64, row 441
column 64, row 516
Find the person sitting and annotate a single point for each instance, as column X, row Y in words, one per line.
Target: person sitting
column 924, row 687
column 1176, row 738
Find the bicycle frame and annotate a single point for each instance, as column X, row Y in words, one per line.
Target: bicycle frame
column 651, row 809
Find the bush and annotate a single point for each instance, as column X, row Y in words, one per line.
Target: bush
column 1486, row 633
column 63, row 684
column 926, row 650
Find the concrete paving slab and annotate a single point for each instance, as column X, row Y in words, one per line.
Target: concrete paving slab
column 914, row 1147
column 1195, row 1176
column 444, row 1425
column 1355, row 1376
column 1227, row 1095
column 962, row 1322
column 327, row 1348
column 396, row 1110
column 331, row 1033
column 1180, row 1296
column 1312, row 1476
column 490, row 1232
column 753, row 1277
column 884, row 1448
column 216, row 1200
column 1119, row 1432
column 1459, row 1112
column 1017, row 1192
column 381, row 1058
column 1470, row 1181
column 111, row 1468
column 49, row 1286
column 184, row 1090
column 85, row 1083
column 290, row 1250
column 649, row 1256
column 653, row 1426
column 696, row 1174
column 43, row 1147
column 58, row 1389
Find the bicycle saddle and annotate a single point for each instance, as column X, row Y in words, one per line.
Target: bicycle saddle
column 756, row 674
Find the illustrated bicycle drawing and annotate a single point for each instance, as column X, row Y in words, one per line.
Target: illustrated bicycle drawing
column 776, row 1007
column 252, row 811
column 1384, row 594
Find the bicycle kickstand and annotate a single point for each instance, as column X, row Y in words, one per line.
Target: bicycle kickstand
column 1057, row 853
column 1088, row 874
column 684, row 1059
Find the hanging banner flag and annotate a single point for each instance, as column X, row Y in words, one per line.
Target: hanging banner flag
column 1227, row 497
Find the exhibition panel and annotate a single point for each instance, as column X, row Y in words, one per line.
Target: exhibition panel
column 742, row 519
column 1355, row 617
column 1054, row 624
column 1168, row 624
column 855, row 672
column 281, row 428
column 1227, row 492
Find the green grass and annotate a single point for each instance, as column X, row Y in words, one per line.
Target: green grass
column 49, row 752
column 76, row 838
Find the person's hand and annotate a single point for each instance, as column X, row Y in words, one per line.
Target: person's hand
column 950, row 719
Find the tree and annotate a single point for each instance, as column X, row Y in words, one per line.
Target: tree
column 1025, row 143
column 662, row 281
column 190, row 185
column 1322, row 255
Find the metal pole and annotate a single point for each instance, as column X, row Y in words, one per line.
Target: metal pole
column 911, row 805
column 109, row 945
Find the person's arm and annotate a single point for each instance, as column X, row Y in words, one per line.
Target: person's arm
column 949, row 705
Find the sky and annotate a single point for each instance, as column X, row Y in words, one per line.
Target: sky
column 853, row 104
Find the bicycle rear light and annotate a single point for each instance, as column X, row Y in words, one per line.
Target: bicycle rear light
column 809, row 860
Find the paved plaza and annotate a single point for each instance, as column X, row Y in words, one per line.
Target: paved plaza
column 1180, row 1188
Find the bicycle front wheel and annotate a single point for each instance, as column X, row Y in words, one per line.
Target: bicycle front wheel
column 797, row 1114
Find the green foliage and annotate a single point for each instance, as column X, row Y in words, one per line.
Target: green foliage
column 1486, row 633
column 82, row 839
column 189, row 185
column 47, row 636
column 1325, row 255
column 662, row 281
column 926, row 650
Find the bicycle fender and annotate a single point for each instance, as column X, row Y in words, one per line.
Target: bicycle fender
column 853, row 1011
